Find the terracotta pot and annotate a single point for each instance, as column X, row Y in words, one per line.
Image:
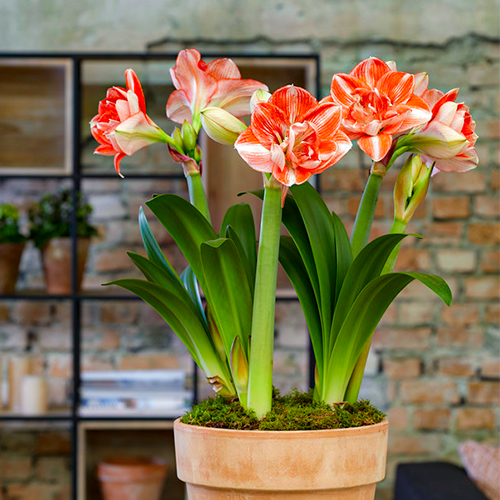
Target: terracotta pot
column 10, row 257
column 337, row 464
column 56, row 262
column 132, row 478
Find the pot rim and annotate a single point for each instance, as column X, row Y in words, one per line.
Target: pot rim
column 364, row 429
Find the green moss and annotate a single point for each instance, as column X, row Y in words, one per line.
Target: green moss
column 293, row 412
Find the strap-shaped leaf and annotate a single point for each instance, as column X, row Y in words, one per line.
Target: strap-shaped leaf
column 295, row 269
column 157, row 274
column 362, row 319
column 191, row 285
column 188, row 327
column 153, row 250
column 187, row 226
column 250, row 273
column 227, row 291
column 367, row 266
column 343, row 251
column 319, row 226
column 240, row 218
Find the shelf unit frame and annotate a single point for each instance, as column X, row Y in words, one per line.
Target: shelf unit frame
column 74, row 61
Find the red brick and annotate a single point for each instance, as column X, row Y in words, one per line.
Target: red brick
column 492, row 314
column 490, row 261
column 93, row 363
column 398, row 418
column 495, row 179
column 460, row 314
column 402, row 368
column 53, row 443
column 432, row 419
column 4, row 313
column 401, row 444
column 117, row 312
column 455, row 367
column 32, row 313
column 37, row 491
column 343, row 179
column 51, row 468
column 402, row 338
column 475, row 418
column 484, row 392
column 413, row 259
column 484, row 287
column 13, row 467
column 105, row 339
column 460, row 337
column 456, row 261
column 472, row 182
column 425, row 391
column 149, row 362
column 60, row 365
column 113, row 260
column 416, row 313
column 488, row 128
column 490, row 368
column 447, row 233
column 484, row 233
column 487, row 206
column 450, row 207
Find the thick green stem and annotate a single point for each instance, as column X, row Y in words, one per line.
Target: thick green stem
column 366, row 211
column 354, row 385
column 262, row 338
column 197, row 195
column 398, row 226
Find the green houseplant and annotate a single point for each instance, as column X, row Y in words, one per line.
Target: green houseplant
column 12, row 244
column 344, row 284
column 50, row 221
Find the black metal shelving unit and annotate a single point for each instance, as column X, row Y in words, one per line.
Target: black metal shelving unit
column 75, row 178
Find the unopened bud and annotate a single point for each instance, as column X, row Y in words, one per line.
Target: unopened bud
column 221, row 126
column 259, row 95
column 188, row 137
column 239, row 366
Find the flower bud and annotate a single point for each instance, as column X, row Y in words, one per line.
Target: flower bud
column 239, row 366
column 221, row 126
column 259, row 95
column 177, row 141
column 188, row 137
column 410, row 188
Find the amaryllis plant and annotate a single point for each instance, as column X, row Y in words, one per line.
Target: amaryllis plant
column 344, row 284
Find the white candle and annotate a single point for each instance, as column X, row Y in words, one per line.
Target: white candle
column 19, row 367
column 34, row 395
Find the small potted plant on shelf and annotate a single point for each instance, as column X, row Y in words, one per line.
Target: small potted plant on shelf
column 51, row 220
column 12, row 244
column 250, row 442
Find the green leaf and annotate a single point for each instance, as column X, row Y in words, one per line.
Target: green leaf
column 159, row 275
column 319, row 226
column 188, row 327
column 187, row 226
column 191, row 285
column 367, row 266
column 250, row 273
column 295, row 269
column 240, row 218
column 153, row 250
column 343, row 251
column 361, row 321
column 227, row 291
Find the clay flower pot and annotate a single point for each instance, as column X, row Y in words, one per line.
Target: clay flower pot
column 337, row 464
column 132, row 478
column 56, row 263
column 10, row 257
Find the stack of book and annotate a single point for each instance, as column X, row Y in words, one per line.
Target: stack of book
column 134, row 393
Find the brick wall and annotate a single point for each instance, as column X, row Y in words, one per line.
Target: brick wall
column 434, row 369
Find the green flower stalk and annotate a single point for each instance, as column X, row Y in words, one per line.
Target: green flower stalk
column 260, row 383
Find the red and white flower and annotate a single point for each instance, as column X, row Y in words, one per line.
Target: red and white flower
column 293, row 136
column 449, row 138
column 200, row 85
column 121, row 125
column 377, row 103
